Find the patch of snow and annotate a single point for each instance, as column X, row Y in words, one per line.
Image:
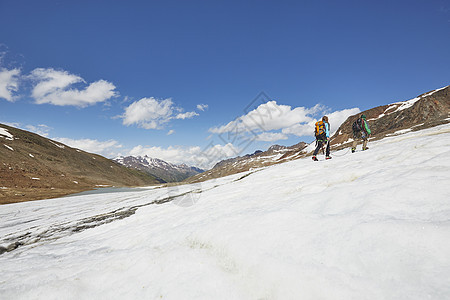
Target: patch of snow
column 58, row 145
column 35, row 178
column 311, row 147
column 31, row 155
column 10, row 148
column 4, row 133
column 76, row 182
column 380, row 116
column 402, row 131
column 407, row 104
column 432, row 92
column 3, row 188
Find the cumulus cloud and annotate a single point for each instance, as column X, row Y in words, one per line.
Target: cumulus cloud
column 335, row 119
column 41, row 129
column 186, row 115
column 204, row 158
column 148, row 113
column 171, row 131
column 56, row 87
column 105, row 148
column 9, row 83
column 269, row 116
column 272, row 121
column 151, row 113
column 202, row 107
column 271, row 136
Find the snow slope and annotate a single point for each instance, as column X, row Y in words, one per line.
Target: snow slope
column 368, row 225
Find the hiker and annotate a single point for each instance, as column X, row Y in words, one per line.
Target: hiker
column 362, row 131
column 322, row 133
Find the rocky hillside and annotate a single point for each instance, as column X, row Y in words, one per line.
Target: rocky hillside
column 425, row 111
column 164, row 171
column 33, row 167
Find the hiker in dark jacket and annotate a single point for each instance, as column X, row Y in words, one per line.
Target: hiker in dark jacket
column 322, row 133
column 362, row 131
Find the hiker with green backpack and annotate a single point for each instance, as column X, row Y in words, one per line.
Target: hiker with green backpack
column 322, row 133
column 362, row 131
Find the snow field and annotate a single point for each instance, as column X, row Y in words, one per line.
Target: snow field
column 367, row 225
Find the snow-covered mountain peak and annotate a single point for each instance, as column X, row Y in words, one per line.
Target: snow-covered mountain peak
column 166, row 171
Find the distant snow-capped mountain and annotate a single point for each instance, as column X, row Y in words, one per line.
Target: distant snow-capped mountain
column 159, row 168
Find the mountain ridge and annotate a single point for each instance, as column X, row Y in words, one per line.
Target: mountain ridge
column 163, row 170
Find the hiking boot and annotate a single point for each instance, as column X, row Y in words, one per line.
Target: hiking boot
column 328, row 157
column 353, row 150
column 367, row 148
column 314, row 158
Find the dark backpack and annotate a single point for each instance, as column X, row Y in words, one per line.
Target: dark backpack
column 357, row 125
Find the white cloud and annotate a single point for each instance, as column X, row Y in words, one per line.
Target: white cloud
column 271, row 136
column 270, row 116
column 42, row 130
column 186, row 115
column 54, row 87
column 148, row 113
column 202, row 107
column 9, row 83
column 338, row 117
column 193, row 156
column 12, row 124
column 306, row 129
column 105, row 148
column 171, row 131
column 335, row 119
column 151, row 113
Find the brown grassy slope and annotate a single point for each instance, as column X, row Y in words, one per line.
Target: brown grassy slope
column 39, row 168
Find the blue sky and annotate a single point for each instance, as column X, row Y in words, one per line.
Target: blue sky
column 170, row 78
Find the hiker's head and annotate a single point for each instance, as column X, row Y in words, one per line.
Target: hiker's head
column 363, row 117
column 325, row 119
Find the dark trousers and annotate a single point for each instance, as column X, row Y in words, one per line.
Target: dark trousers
column 320, row 141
